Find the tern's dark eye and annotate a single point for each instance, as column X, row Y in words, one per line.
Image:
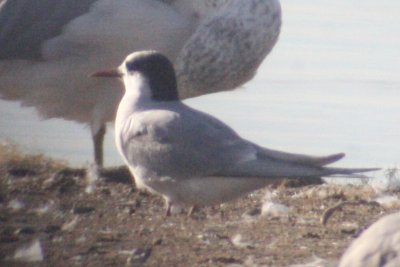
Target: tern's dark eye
column 142, row 64
column 131, row 66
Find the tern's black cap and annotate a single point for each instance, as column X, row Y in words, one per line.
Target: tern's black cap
column 159, row 72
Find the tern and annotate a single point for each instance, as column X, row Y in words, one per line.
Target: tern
column 215, row 45
column 189, row 157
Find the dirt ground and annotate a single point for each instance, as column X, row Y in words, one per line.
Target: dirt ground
column 113, row 224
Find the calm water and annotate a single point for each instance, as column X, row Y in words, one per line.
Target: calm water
column 332, row 84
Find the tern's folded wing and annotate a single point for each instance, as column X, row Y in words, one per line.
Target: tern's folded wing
column 191, row 143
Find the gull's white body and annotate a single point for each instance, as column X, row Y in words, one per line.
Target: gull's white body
column 378, row 246
column 223, row 40
column 187, row 156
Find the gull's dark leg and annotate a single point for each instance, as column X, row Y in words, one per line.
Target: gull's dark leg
column 98, row 139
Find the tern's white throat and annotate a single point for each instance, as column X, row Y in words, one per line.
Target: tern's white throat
column 137, row 90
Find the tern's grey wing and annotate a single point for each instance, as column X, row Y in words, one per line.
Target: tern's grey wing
column 238, row 157
column 183, row 142
column 270, row 163
column 25, row 24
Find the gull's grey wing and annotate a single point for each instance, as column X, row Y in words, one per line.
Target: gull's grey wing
column 25, row 24
column 182, row 142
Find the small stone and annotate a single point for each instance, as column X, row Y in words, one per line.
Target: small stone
column 108, row 236
column 349, row 227
column 275, row 210
column 15, row 205
column 52, row 228
column 22, row 172
column 157, row 242
column 139, row 256
column 311, row 235
column 69, row 226
column 116, row 175
column 226, row 260
column 106, row 191
column 43, row 209
column 388, row 201
column 238, row 242
column 83, row 209
column 254, row 212
column 26, row 230
column 7, row 235
column 30, row 253
column 63, row 181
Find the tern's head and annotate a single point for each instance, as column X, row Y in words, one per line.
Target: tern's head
column 154, row 68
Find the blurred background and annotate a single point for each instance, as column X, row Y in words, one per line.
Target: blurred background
column 331, row 84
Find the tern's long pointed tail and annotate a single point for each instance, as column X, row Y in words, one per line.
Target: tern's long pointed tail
column 275, row 164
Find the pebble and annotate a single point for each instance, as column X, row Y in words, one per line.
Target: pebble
column 388, row 201
column 83, row 209
column 349, row 227
column 8, row 236
column 15, row 205
column 69, row 226
column 275, row 210
column 52, row 228
column 26, row 230
column 238, row 242
column 108, row 236
column 139, row 256
column 29, row 253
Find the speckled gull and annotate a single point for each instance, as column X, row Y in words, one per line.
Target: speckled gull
column 189, row 157
column 48, row 48
column 378, row 246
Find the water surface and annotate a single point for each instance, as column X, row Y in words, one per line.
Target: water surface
column 330, row 85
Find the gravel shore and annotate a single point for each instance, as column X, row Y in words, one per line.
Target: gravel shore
column 54, row 215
